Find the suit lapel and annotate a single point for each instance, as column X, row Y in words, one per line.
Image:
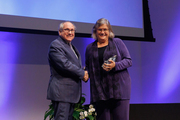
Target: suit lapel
column 78, row 54
column 70, row 51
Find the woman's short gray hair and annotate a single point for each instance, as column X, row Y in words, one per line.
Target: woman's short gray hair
column 100, row 22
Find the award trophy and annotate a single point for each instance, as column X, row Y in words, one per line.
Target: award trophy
column 111, row 58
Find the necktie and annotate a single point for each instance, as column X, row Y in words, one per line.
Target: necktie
column 73, row 49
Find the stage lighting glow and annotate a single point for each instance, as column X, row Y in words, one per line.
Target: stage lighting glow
column 170, row 65
column 8, row 55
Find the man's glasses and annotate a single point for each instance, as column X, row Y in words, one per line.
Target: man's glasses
column 68, row 30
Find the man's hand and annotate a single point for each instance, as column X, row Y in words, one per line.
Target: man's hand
column 86, row 76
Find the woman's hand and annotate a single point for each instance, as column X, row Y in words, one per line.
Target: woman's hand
column 86, row 76
column 110, row 66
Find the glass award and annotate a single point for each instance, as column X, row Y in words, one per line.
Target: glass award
column 111, row 58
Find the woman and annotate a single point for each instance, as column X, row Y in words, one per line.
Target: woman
column 110, row 83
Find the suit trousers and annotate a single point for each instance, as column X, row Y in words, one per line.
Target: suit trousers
column 63, row 110
column 112, row 109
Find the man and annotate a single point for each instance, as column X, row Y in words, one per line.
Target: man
column 64, row 89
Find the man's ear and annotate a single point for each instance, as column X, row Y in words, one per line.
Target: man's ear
column 59, row 32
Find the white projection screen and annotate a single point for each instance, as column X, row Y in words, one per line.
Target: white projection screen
column 125, row 16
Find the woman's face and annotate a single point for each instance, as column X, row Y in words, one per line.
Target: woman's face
column 102, row 33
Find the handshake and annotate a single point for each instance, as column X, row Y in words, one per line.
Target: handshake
column 86, row 76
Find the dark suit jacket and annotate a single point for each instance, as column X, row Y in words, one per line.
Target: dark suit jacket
column 66, row 72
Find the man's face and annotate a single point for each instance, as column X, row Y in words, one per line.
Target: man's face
column 68, row 32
